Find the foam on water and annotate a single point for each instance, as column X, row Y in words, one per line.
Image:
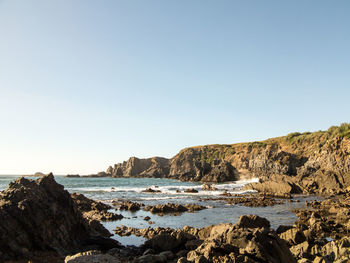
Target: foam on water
column 171, row 189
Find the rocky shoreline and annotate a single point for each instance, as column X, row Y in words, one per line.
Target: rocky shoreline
column 42, row 222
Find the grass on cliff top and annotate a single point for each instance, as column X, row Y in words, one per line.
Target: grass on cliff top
column 318, row 139
column 342, row 131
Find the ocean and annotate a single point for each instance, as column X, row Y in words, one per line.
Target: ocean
column 109, row 189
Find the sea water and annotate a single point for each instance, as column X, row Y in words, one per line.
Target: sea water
column 108, row 189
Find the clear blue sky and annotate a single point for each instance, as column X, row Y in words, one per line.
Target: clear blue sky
column 85, row 84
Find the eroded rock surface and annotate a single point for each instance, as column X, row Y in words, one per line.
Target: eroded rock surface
column 94, row 210
column 250, row 240
column 174, row 208
column 39, row 215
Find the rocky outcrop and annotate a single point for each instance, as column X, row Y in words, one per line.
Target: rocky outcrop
column 253, row 201
column 93, row 210
column 209, row 187
column 127, row 205
column 41, row 216
column 186, row 167
column 250, row 240
column 174, row 208
column 274, row 188
column 321, row 232
column 135, row 167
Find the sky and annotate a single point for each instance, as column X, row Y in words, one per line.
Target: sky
column 85, row 84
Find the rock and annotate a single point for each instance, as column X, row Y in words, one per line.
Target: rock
column 208, row 187
column 186, row 166
column 148, row 251
column 73, row 175
column 168, row 254
column 100, row 174
column 243, row 242
column 193, row 244
column 182, row 260
column 127, row 205
column 174, row 208
column 272, row 188
column 109, row 170
column 151, row 259
column 91, row 257
column 94, row 210
column 135, row 167
column 167, row 241
column 201, row 259
column 253, row 221
column 282, row 228
column 253, row 201
column 150, row 190
column 293, row 236
column 250, row 240
column 301, row 250
column 190, row 190
column 44, row 217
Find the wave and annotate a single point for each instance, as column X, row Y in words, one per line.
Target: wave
column 231, row 187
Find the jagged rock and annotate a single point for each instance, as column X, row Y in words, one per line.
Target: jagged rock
column 150, row 190
column 73, row 175
column 186, row 167
column 208, row 187
column 41, row 216
column 293, row 236
column 151, row 259
column 94, row 210
column 250, row 240
column 231, row 242
column 91, row 257
column 174, row 208
column 127, row 205
column 252, row 221
column 109, row 170
column 272, row 188
column 253, row 201
column 135, row 167
column 191, row 190
column 300, row 250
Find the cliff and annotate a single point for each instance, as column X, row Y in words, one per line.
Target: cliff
column 314, row 161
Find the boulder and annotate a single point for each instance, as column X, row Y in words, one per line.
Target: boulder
column 190, row 190
column 293, row 236
column 174, row 208
column 39, row 215
column 150, row 190
column 91, row 257
column 208, row 187
column 252, row 221
column 93, row 210
column 274, row 188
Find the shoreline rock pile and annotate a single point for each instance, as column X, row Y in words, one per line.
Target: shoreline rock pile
column 39, row 216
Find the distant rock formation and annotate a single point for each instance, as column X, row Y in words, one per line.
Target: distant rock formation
column 135, row 167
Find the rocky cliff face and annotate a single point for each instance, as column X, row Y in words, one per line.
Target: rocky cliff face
column 41, row 216
column 135, row 167
column 314, row 161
